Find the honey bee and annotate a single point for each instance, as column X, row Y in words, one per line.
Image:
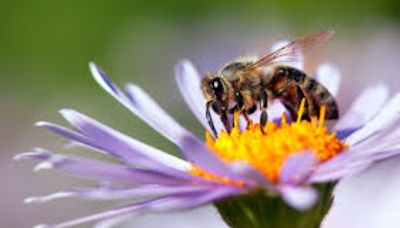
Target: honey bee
column 243, row 85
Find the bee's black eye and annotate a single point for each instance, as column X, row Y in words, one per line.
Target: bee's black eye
column 217, row 86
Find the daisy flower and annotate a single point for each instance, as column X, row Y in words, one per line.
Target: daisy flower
column 283, row 178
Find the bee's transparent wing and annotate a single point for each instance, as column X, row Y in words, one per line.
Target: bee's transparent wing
column 292, row 51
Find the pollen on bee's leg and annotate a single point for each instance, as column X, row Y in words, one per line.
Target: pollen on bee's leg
column 236, row 117
column 322, row 114
column 301, row 110
column 284, row 118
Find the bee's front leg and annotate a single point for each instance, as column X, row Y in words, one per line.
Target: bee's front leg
column 221, row 110
column 263, row 107
column 224, row 118
column 209, row 119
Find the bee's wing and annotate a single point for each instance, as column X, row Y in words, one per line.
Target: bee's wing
column 292, row 51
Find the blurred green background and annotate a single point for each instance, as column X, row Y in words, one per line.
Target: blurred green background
column 45, row 47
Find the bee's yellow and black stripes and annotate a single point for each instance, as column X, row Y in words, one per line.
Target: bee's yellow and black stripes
column 285, row 84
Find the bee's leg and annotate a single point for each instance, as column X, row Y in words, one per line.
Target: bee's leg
column 246, row 117
column 209, row 119
column 292, row 101
column 240, row 106
column 252, row 109
column 301, row 96
column 224, row 118
column 247, row 112
column 263, row 107
column 221, row 110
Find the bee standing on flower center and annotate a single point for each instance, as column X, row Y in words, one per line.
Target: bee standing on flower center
column 244, row 85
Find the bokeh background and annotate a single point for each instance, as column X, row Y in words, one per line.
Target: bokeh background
column 45, row 47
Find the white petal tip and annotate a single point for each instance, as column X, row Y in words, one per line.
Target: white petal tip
column 93, row 67
column 43, row 166
column 41, row 123
column 182, row 65
column 30, row 200
column 69, row 114
column 20, row 157
column 185, row 70
column 66, row 111
column 41, row 226
column 301, row 198
column 36, row 153
column 44, row 199
column 132, row 87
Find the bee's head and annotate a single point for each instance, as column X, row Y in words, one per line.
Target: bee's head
column 215, row 91
column 213, row 88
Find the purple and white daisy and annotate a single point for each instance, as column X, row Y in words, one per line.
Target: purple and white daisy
column 369, row 129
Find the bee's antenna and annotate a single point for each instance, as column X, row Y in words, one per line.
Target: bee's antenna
column 209, row 119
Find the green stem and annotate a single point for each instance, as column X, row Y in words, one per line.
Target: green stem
column 259, row 210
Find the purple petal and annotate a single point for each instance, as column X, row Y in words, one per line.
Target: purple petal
column 67, row 133
column 329, row 76
column 196, row 152
column 297, row 168
column 127, row 153
column 98, row 170
column 120, row 192
column 387, row 138
column 349, row 164
column 124, row 153
column 105, row 82
column 140, row 104
column 389, row 115
column 336, row 174
column 148, row 110
column 251, row 174
column 276, row 110
column 346, row 132
column 191, row 147
column 162, row 204
column 363, row 108
column 112, row 222
column 120, row 145
column 333, row 168
column 301, row 198
column 37, row 153
column 188, row 80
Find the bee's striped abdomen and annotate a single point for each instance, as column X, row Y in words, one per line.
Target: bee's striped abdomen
column 321, row 96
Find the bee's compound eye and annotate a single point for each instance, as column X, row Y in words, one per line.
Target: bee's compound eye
column 217, row 86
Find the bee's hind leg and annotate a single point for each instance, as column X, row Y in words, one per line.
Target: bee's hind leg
column 292, row 102
column 263, row 107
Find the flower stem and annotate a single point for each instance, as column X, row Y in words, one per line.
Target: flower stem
column 260, row 210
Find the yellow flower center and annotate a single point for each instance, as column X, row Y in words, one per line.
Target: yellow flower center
column 267, row 152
